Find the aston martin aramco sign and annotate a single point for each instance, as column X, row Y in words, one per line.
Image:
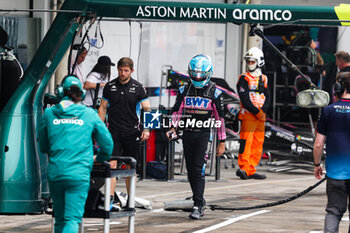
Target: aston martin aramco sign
column 213, row 13
column 225, row 13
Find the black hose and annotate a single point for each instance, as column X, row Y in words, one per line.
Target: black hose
column 280, row 202
column 70, row 71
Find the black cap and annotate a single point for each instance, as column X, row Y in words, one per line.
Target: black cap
column 105, row 60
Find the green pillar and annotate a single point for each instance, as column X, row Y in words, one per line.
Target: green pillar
column 19, row 178
column 20, row 172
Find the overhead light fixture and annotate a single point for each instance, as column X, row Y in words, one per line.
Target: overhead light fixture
column 312, row 98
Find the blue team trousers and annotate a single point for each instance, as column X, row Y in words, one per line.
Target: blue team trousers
column 69, row 199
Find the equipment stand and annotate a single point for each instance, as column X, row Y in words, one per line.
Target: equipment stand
column 104, row 171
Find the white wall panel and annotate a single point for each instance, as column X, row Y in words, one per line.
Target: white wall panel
column 14, row 4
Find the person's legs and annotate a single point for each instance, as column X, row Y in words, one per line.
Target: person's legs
column 75, row 199
column 125, row 146
column 69, row 199
column 195, row 152
column 113, row 185
column 337, row 195
column 348, row 194
column 117, row 151
column 131, row 148
column 57, row 193
column 257, row 146
column 189, row 150
column 246, row 139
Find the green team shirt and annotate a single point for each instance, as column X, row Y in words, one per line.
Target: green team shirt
column 66, row 134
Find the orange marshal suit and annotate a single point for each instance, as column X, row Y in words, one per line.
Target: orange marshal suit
column 254, row 95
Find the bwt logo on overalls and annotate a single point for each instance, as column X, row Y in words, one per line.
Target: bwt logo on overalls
column 196, row 102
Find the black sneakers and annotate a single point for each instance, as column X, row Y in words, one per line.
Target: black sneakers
column 257, row 176
column 197, row 212
column 242, row 174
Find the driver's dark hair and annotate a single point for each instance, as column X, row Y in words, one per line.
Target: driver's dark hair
column 74, row 93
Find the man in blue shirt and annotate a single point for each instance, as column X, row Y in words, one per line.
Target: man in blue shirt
column 333, row 129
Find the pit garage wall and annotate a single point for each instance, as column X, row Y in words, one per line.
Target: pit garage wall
column 148, row 71
column 343, row 39
column 154, row 44
column 175, row 47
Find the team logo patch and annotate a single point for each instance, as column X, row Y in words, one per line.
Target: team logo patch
column 253, row 87
column 217, row 93
column 241, row 89
column 151, row 120
column 181, row 89
column 196, row 102
column 114, row 88
column 68, row 121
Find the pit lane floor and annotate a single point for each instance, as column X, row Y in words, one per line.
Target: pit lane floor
column 304, row 215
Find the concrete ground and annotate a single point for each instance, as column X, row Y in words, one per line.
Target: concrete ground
column 304, row 215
